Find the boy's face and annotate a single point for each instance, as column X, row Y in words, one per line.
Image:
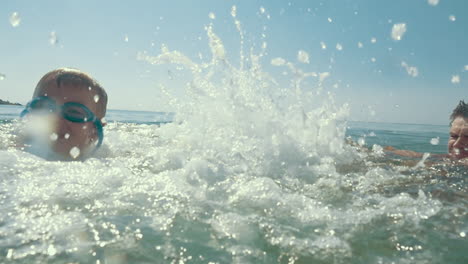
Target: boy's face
column 69, row 134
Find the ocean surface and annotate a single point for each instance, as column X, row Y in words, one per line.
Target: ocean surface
column 190, row 192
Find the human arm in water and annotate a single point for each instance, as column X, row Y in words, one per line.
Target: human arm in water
column 403, row 152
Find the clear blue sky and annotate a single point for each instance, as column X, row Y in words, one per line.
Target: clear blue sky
column 91, row 36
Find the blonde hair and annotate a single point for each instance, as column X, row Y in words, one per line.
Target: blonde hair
column 75, row 77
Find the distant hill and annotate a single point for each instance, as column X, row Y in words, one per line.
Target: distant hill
column 7, row 103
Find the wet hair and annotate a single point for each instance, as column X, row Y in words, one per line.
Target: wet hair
column 460, row 111
column 70, row 76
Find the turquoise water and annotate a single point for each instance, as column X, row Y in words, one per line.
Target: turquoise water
column 416, row 137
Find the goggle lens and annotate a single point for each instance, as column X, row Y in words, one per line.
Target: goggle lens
column 77, row 113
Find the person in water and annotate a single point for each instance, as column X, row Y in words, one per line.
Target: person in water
column 64, row 119
column 458, row 139
column 458, row 136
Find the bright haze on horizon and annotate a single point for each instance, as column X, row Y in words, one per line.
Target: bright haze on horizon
column 391, row 61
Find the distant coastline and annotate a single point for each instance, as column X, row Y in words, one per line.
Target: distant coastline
column 7, row 103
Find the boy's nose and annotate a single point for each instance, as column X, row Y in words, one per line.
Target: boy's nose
column 61, row 127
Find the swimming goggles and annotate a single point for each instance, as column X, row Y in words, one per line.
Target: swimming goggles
column 71, row 111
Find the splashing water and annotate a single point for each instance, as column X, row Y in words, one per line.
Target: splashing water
column 398, row 30
column 248, row 172
column 15, row 19
column 323, row 45
column 339, row 47
column 2, row 77
column 74, row 152
column 53, row 38
column 303, row 57
column 411, row 70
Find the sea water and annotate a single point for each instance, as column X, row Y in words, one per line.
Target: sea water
column 246, row 172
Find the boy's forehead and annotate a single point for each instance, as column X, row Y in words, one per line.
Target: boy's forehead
column 66, row 91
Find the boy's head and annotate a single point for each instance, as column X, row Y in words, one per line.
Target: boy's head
column 76, row 105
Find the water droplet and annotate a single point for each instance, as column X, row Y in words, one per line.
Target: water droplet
column 398, row 30
column 66, row 136
column 435, row 141
column 330, row 20
column 323, row 45
column 85, row 127
column 10, row 253
column 74, row 152
column 96, row 98
column 303, row 57
column 90, row 88
column 411, row 70
column 452, row 18
column 455, row 79
column 234, row 11
column 373, row 40
column 211, row 15
column 339, row 47
column 433, row 2
column 51, row 250
column 373, row 59
column 15, row 19
column 126, row 38
column 462, row 234
column 360, row 45
column 53, row 136
column 103, row 120
column 278, row 61
column 361, row 141
column 262, row 10
column 53, row 39
column 466, row 67
column 2, row 76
